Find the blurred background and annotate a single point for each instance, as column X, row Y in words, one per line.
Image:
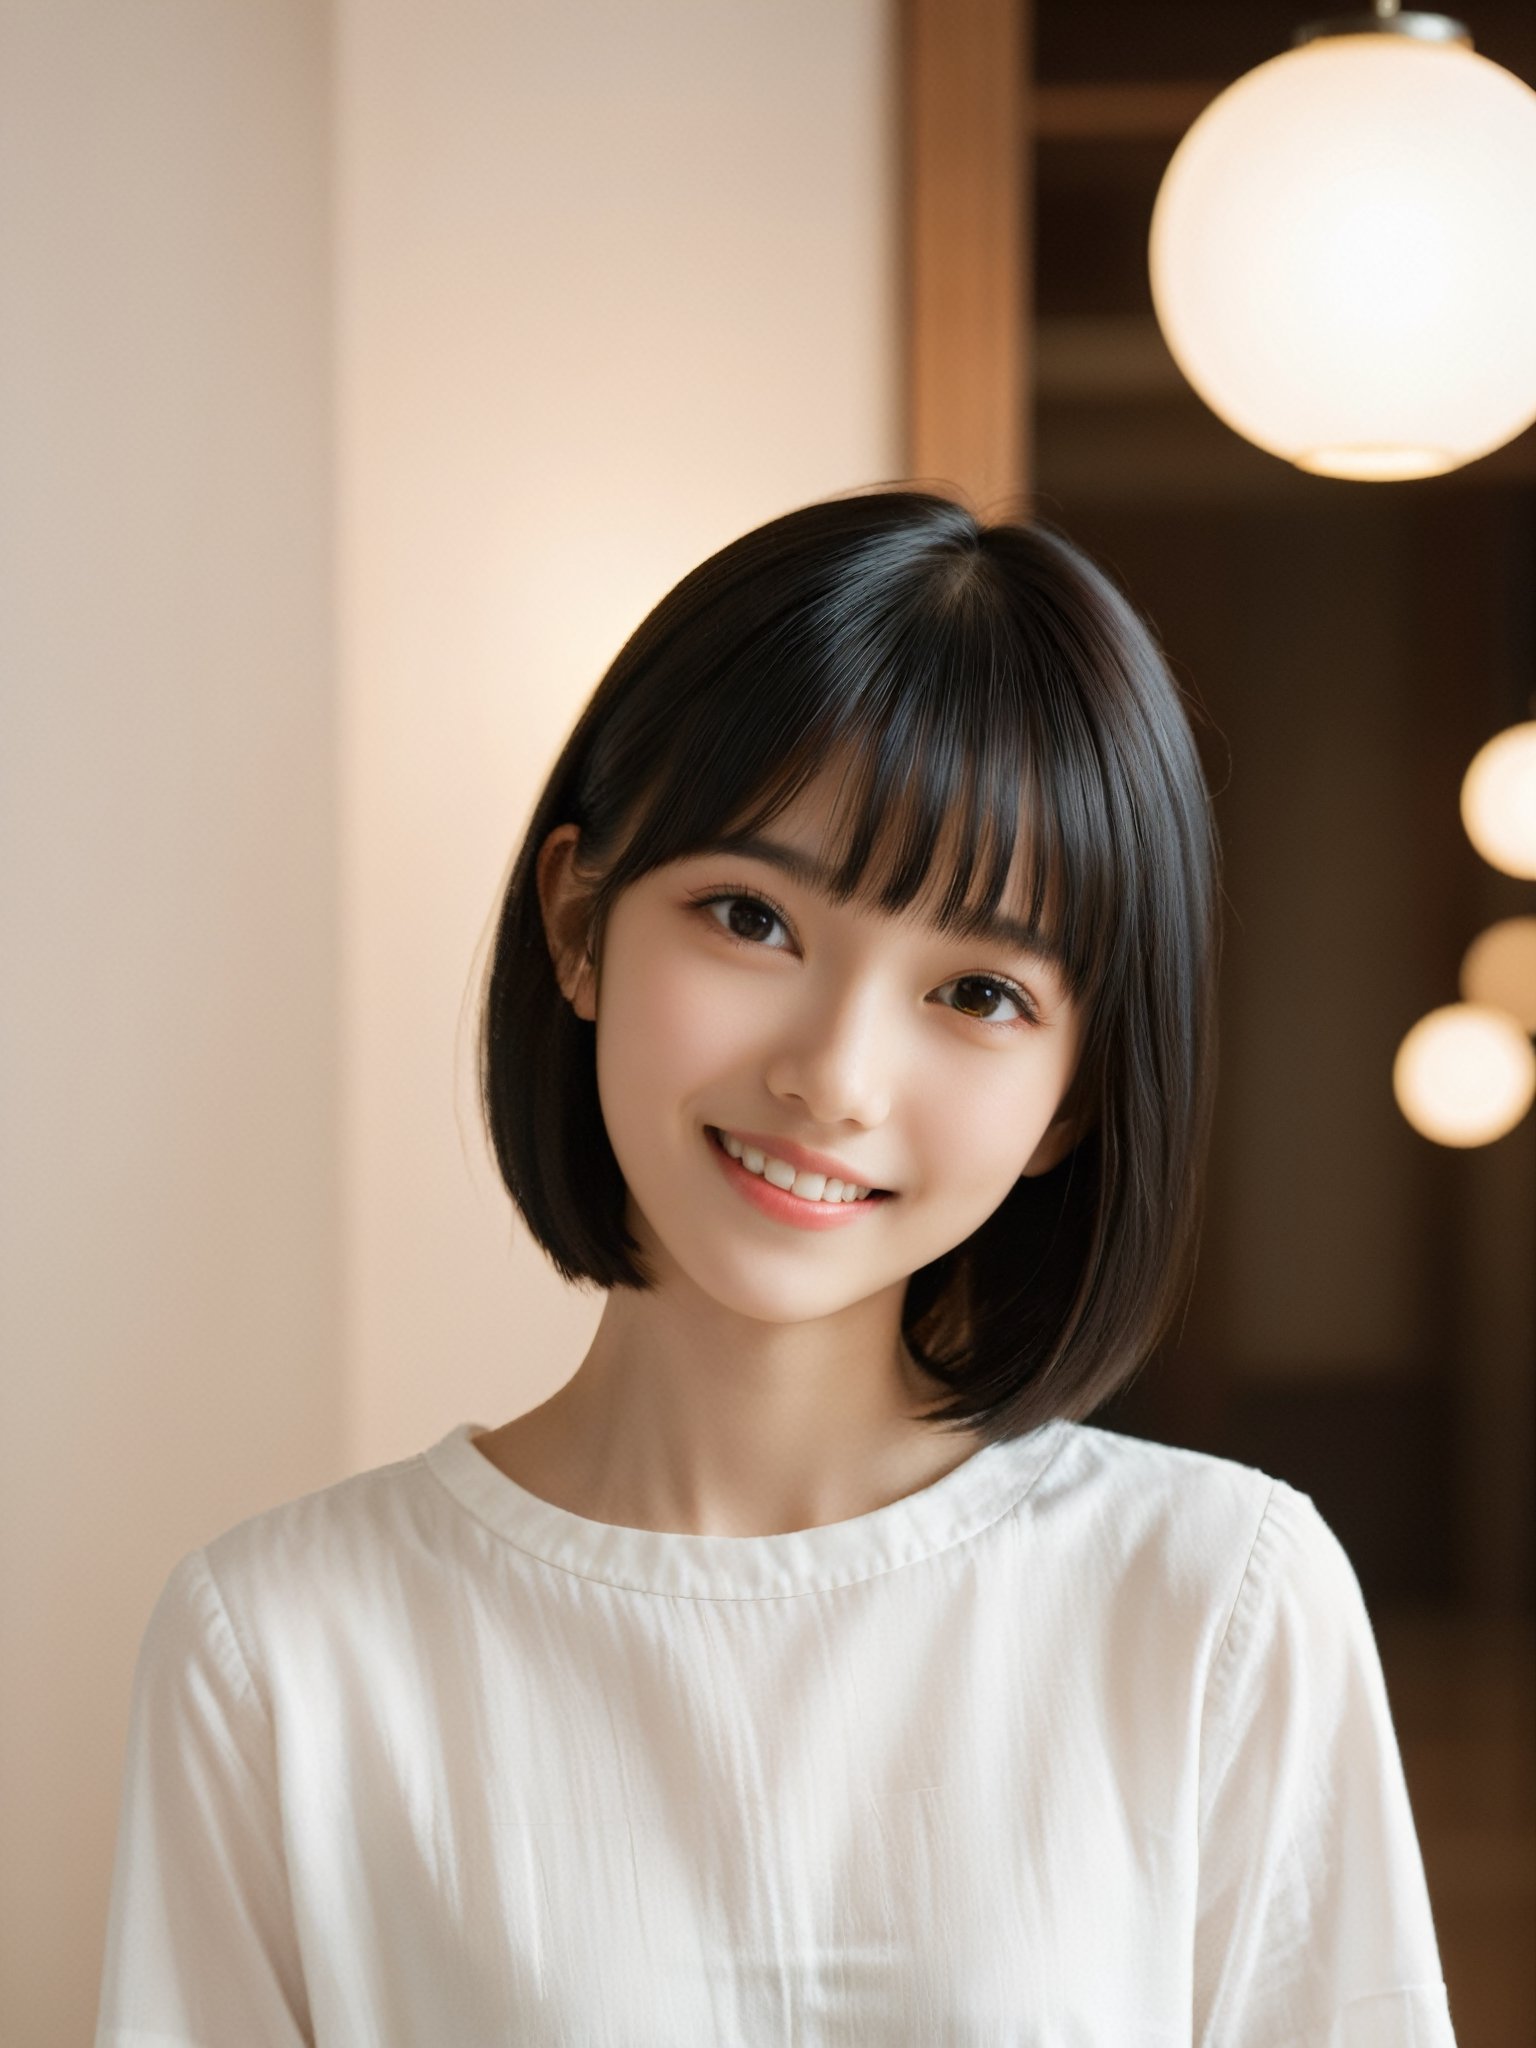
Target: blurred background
column 366, row 372
column 1364, row 1319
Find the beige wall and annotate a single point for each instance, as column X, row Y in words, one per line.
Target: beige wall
column 617, row 282
column 366, row 373
column 169, row 1187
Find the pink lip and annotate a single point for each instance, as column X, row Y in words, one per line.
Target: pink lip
column 802, row 1158
column 783, row 1206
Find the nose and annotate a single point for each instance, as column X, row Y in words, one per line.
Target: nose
column 834, row 1060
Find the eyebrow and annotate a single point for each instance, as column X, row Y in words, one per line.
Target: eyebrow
column 992, row 927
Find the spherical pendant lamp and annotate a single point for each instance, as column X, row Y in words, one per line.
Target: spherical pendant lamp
column 1343, row 250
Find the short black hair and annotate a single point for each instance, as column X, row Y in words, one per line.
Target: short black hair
column 987, row 679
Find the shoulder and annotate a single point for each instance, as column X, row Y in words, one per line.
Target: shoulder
column 1204, row 1530
column 314, row 1568
column 1235, row 1553
column 1154, row 1489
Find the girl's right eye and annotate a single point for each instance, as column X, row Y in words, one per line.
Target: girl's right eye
column 758, row 904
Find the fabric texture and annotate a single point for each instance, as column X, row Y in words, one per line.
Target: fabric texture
column 1085, row 1745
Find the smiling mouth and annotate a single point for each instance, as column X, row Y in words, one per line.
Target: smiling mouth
column 779, row 1173
column 875, row 1195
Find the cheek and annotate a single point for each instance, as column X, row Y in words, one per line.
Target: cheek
column 980, row 1131
column 665, row 1027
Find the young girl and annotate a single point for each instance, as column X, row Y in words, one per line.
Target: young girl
column 807, row 1670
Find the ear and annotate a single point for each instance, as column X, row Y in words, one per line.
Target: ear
column 565, row 904
column 1056, row 1141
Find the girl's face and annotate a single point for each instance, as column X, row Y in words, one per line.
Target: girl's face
column 739, row 1009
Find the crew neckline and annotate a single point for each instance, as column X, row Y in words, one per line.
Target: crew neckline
column 959, row 1505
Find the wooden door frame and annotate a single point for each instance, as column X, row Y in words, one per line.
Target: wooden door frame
column 966, row 219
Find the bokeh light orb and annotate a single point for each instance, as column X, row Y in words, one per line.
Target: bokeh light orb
column 1465, row 1074
column 1498, row 797
column 1343, row 256
column 1499, row 968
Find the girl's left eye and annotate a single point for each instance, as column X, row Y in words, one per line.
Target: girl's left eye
column 764, row 908
column 980, row 995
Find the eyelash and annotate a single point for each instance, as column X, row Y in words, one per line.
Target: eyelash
column 1028, row 1012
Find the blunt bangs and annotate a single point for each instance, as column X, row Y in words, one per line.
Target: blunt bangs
column 991, row 708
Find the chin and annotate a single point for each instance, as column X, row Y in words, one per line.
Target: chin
column 764, row 1295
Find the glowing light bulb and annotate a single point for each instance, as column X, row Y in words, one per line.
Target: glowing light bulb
column 1498, row 800
column 1465, row 1074
column 1499, row 968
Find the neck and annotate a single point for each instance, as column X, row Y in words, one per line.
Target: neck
column 685, row 1416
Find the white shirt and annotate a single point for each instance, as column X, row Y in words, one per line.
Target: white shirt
column 1085, row 1745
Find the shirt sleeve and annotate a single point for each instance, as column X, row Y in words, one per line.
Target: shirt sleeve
column 200, row 1950
column 1313, row 1925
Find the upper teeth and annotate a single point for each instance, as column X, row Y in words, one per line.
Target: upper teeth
column 813, row 1187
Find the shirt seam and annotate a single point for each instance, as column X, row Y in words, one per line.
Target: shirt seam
column 1430, row 1987
column 1429, row 1984
column 1010, row 1507
column 1216, row 1676
column 247, row 1663
column 277, row 1884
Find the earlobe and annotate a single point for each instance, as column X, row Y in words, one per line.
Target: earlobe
column 579, row 986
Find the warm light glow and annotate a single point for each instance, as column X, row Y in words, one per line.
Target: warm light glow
column 1499, row 967
column 1343, row 256
column 1498, row 801
column 1464, row 1075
